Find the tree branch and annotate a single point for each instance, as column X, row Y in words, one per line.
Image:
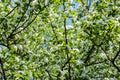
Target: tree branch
column 29, row 23
column 63, row 67
column 3, row 71
column 89, row 53
column 54, row 32
column 16, row 27
column 66, row 42
column 9, row 13
column 95, row 63
column 112, row 61
column 117, row 54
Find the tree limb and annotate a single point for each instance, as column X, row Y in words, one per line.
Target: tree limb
column 3, row 71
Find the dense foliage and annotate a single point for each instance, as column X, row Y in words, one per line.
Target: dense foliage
column 59, row 39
